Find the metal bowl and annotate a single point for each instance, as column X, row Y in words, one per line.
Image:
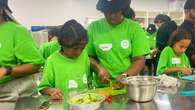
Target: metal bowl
column 141, row 88
column 91, row 106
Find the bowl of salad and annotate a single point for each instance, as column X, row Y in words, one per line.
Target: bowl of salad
column 87, row 101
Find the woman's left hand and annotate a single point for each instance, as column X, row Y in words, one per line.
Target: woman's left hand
column 2, row 72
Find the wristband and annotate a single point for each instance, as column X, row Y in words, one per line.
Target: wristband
column 8, row 70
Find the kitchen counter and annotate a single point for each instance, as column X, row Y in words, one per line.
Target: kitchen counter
column 165, row 99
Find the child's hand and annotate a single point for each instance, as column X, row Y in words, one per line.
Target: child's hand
column 186, row 71
column 56, row 94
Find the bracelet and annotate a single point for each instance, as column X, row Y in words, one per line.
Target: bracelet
column 8, row 70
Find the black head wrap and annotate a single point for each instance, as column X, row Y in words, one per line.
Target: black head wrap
column 112, row 5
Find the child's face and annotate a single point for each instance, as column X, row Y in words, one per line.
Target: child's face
column 181, row 46
column 74, row 51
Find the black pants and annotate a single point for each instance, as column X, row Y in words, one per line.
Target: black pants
column 150, row 63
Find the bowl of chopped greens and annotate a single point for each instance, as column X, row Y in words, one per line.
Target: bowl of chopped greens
column 87, row 101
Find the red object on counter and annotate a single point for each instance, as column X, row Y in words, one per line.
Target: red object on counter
column 109, row 98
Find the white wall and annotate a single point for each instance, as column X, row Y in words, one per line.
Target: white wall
column 55, row 12
column 52, row 12
column 150, row 5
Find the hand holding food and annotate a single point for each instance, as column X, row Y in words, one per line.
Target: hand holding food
column 103, row 75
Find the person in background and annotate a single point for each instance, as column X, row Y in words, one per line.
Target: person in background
column 19, row 59
column 161, row 19
column 116, row 44
column 69, row 67
column 173, row 60
column 189, row 25
column 151, row 36
column 164, row 33
column 167, row 26
column 48, row 48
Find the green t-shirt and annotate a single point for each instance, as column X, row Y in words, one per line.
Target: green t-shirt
column 48, row 48
column 151, row 39
column 62, row 72
column 17, row 47
column 116, row 45
column 169, row 59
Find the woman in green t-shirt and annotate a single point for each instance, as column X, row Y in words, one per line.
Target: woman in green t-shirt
column 173, row 60
column 68, row 68
column 116, row 43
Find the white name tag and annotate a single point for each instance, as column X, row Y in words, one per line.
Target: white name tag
column 175, row 61
column 72, row 84
column 105, row 47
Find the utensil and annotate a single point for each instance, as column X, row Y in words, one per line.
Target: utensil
column 141, row 88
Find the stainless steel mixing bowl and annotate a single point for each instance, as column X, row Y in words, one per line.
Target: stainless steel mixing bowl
column 141, row 88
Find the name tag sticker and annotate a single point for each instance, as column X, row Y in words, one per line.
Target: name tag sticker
column 175, row 61
column 105, row 47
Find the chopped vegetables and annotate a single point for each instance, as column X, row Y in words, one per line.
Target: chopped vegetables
column 114, row 85
column 109, row 98
column 86, row 99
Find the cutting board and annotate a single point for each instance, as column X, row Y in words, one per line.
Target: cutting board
column 186, row 93
column 107, row 91
column 189, row 78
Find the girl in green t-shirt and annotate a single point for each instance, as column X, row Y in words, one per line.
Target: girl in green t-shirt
column 69, row 67
column 173, row 60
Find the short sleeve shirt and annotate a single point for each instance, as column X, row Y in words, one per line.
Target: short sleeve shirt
column 169, row 59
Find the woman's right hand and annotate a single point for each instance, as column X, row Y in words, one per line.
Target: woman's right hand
column 186, row 71
column 55, row 94
column 103, row 75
